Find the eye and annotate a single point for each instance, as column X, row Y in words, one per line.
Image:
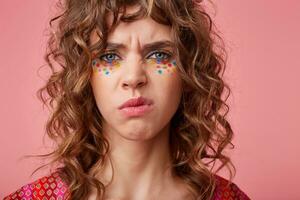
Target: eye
column 159, row 55
column 109, row 57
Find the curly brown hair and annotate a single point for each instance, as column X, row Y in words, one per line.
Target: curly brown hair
column 200, row 130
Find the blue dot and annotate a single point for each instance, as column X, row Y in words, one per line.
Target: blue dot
column 107, row 72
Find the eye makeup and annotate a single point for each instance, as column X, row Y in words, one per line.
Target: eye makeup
column 162, row 65
column 105, row 67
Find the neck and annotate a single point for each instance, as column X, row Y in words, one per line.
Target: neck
column 140, row 167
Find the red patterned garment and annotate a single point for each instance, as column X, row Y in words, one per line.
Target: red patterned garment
column 49, row 187
column 52, row 187
column 228, row 192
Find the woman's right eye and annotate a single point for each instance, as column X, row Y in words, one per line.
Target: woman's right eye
column 109, row 57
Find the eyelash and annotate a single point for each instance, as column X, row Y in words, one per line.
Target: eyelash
column 163, row 52
column 168, row 55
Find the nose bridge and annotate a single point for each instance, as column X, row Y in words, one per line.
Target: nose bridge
column 134, row 74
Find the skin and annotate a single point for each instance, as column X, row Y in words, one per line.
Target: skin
column 139, row 145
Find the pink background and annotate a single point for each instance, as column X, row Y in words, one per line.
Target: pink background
column 262, row 38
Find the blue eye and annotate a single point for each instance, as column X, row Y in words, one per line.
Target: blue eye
column 109, row 57
column 160, row 55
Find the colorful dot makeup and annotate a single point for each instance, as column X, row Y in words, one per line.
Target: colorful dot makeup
column 106, row 68
column 103, row 67
column 163, row 66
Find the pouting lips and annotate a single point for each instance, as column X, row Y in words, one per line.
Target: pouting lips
column 136, row 102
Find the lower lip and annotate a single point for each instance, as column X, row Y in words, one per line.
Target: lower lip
column 136, row 111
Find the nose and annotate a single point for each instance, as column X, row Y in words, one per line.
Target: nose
column 134, row 75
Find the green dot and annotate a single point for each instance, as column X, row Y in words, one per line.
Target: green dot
column 160, row 71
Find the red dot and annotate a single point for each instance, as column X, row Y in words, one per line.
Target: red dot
column 97, row 65
column 170, row 65
column 157, row 66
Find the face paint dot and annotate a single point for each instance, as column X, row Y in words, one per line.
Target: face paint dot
column 169, row 64
column 174, row 62
column 152, row 62
column 97, row 65
column 159, row 71
column 107, row 72
column 157, row 66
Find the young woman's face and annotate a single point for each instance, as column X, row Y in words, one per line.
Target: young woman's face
column 138, row 62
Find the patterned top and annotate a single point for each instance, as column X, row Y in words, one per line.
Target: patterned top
column 52, row 187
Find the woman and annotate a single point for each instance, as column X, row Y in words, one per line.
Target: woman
column 137, row 108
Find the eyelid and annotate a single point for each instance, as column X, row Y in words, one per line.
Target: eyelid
column 105, row 53
column 160, row 51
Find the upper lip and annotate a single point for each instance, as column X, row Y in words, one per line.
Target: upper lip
column 136, row 102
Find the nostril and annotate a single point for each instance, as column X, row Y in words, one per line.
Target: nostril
column 141, row 84
column 134, row 81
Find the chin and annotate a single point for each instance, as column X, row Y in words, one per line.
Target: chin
column 136, row 130
column 137, row 135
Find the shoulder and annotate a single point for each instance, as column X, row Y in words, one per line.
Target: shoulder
column 50, row 186
column 225, row 190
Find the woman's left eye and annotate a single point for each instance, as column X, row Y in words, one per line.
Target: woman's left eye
column 160, row 55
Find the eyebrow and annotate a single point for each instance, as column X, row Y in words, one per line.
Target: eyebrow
column 145, row 48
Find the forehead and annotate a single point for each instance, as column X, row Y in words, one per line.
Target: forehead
column 143, row 30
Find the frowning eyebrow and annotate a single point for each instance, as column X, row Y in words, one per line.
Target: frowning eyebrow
column 145, row 48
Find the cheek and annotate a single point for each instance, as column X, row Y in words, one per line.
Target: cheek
column 162, row 67
column 105, row 68
column 167, row 83
column 165, row 75
column 102, row 92
column 104, row 101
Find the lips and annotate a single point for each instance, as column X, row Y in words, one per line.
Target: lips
column 135, row 102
